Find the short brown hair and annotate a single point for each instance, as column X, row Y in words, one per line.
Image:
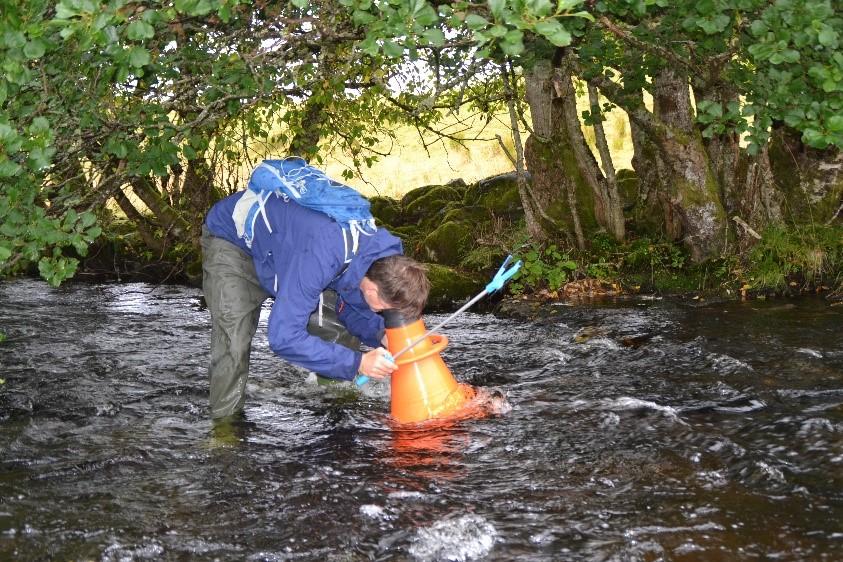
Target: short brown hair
column 402, row 282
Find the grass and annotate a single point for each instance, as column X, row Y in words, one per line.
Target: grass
column 474, row 154
column 410, row 165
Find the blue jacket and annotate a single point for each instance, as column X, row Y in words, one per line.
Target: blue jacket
column 302, row 256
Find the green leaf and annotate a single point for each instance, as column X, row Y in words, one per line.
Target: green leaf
column 565, row 5
column 35, row 49
column 139, row 30
column 539, row 8
column 5, row 253
column 512, row 43
column 39, row 158
column 138, row 57
column 497, row 31
column 65, row 11
column 39, row 125
column 496, row 7
column 300, row 3
column 831, row 86
column 554, row 32
column 813, row 137
column 426, row 16
column 473, row 21
column 9, row 169
column 790, row 55
column 88, row 218
column 392, row 49
column 7, row 133
column 758, row 28
column 362, row 18
column 369, row 46
column 835, row 124
column 584, row 15
column 434, row 36
column 548, row 27
column 14, row 40
column 828, row 38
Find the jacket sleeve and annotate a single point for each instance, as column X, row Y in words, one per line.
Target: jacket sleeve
column 359, row 319
column 302, row 275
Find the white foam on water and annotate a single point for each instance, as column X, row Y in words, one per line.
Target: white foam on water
column 815, row 425
column 629, row 403
column 771, row 472
column 603, row 342
column 727, row 364
column 810, row 352
column 610, row 420
column 119, row 553
column 455, row 539
column 372, row 510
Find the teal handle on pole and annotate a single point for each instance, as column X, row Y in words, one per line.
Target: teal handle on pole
column 362, row 379
column 503, row 275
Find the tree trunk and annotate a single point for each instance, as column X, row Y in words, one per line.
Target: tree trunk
column 533, row 208
column 809, row 181
column 650, row 217
column 693, row 193
column 305, row 143
column 198, row 194
column 175, row 228
column 612, row 218
column 558, row 182
column 157, row 245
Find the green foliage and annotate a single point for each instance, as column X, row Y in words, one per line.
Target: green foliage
column 96, row 94
column 544, row 268
column 498, row 29
column 796, row 73
column 804, row 254
column 646, row 254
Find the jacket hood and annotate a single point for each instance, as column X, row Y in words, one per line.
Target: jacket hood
column 378, row 245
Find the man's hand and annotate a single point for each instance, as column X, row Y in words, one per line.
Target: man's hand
column 376, row 364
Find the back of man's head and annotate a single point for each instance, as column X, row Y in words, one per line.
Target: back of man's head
column 402, row 282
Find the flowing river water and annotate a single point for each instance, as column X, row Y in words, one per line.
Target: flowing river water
column 639, row 430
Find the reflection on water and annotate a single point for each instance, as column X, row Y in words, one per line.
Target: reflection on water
column 638, row 430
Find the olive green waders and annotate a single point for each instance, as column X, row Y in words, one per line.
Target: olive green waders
column 234, row 297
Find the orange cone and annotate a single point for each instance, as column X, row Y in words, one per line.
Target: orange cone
column 423, row 387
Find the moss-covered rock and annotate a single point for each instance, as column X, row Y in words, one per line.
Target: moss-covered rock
column 411, row 237
column 429, row 205
column 498, row 194
column 386, row 210
column 458, row 212
column 449, row 287
column 448, row 243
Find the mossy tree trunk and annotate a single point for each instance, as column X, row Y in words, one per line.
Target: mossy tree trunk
column 688, row 188
column 533, row 200
column 608, row 193
column 557, row 154
column 693, row 192
column 198, row 192
column 809, row 181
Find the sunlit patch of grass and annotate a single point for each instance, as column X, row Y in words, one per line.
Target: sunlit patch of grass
column 473, row 153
